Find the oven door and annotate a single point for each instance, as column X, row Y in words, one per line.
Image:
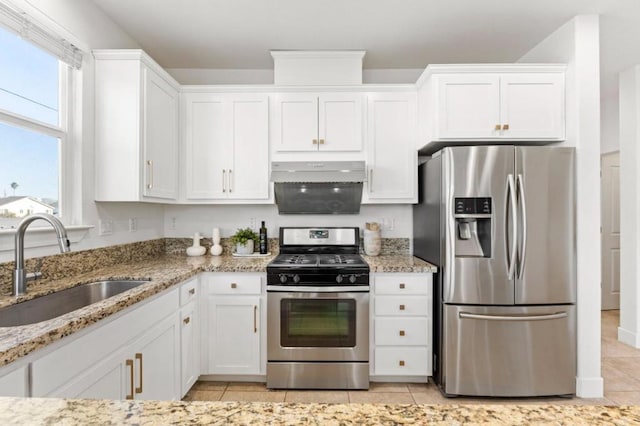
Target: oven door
column 317, row 323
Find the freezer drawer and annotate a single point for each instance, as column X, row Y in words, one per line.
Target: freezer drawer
column 509, row 351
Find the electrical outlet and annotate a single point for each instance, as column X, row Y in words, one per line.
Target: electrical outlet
column 391, row 224
column 106, row 227
column 172, row 224
column 133, row 224
column 252, row 223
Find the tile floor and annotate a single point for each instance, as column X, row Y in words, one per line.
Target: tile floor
column 620, row 369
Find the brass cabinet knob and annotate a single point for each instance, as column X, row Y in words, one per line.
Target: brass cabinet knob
column 401, row 363
column 186, row 320
column 192, row 291
column 321, row 142
column 498, row 127
column 314, row 141
column 402, row 307
column 234, row 285
column 505, row 127
column 402, row 332
column 401, row 285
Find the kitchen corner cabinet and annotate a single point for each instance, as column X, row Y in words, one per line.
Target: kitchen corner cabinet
column 136, row 128
column 494, row 103
column 391, row 148
column 225, row 144
column 326, row 122
column 402, row 336
column 233, row 335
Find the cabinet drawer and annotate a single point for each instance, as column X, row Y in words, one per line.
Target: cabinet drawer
column 402, row 305
column 403, row 284
column 234, row 284
column 402, row 361
column 402, row 331
column 189, row 291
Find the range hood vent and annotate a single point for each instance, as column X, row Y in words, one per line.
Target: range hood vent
column 328, row 187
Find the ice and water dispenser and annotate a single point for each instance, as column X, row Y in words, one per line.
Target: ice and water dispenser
column 473, row 227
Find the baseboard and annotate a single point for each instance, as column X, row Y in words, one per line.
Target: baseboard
column 399, row 379
column 259, row 378
column 628, row 337
column 589, row 387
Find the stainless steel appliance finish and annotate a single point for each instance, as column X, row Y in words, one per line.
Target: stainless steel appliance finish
column 499, row 221
column 318, row 187
column 318, row 311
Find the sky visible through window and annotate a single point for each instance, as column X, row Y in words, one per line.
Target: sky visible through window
column 29, row 84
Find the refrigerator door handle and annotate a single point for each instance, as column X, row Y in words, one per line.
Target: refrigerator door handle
column 511, row 252
column 557, row 315
column 523, row 215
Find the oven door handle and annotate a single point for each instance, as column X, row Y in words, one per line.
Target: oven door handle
column 320, row 289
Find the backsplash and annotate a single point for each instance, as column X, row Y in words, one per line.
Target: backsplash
column 78, row 262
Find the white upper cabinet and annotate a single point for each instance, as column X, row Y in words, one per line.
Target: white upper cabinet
column 225, row 143
column 390, row 147
column 136, row 129
column 491, row 103
column 307, row 122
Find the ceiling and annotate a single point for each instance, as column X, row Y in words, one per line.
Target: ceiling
column 238, row 34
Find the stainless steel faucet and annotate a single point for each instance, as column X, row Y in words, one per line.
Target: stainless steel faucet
column 20, row 275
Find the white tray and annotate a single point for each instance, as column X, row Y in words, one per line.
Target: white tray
column 251, row 255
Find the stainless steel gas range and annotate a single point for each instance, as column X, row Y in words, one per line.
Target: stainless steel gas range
column 318, row 311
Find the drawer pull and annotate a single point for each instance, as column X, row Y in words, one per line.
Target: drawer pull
column 401, row 363
column 401, row 285
column 139, row 358
column 402, row 307
column 498, row 127
column 402, row 332
column 234, row 285
column 192, row 291
column 186, row 320
column 505, row 127
column 255, row 318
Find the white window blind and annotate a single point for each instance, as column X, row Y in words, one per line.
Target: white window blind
column 21, row 24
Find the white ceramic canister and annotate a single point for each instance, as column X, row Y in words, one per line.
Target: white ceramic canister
column 196, row 249
column 372, row 242
column 216, row 248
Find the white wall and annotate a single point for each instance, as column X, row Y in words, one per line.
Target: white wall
column 577, row 44
column 265, row 76
column 183, row 221
column 85, row 25
column 610, row 123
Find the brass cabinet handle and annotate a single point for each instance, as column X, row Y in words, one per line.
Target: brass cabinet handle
column 150, row 167
column 505, row 127
column 234, row 285
column 255, row 318
column 321, row 142
column 230, row 181
column 402, row 285
column 192, row 291
column 224, row 177
column 401, row 363
column 139, row 358
column 129, row 363
column 186, row 320
column 402, row 307
column 371, row 179
column 314, row 141
column 402, row 332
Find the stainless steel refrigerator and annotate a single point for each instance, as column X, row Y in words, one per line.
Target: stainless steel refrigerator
column 499, row 222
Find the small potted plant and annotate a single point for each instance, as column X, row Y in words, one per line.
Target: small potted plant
column 243, row 239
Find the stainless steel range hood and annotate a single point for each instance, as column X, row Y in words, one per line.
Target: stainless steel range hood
column 318, row 187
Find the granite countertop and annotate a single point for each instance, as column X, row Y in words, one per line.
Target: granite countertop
column 163, row 272
column 23, row 411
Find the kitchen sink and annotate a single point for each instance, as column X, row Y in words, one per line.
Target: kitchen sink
column 55, row 304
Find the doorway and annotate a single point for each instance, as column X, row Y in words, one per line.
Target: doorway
column 610, row 231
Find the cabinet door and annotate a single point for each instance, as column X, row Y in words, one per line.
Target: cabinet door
column 207, row 146
column 340, row 122
column 296, row 122
column 160, row 137
column 14, row 383
column 532, row 105
column 190, row 347
column 249, row 123
column 156, row 360
column 392, row 157
column 233, row 335
column 468, row 106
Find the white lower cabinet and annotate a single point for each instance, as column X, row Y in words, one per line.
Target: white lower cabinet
column 401, row 325
column 14, row 382
column 190, row 347
column 233, row 335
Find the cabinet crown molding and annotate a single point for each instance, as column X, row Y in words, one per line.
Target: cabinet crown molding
column 135, row 55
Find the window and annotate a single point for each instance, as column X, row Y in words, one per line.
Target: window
column 34, row 86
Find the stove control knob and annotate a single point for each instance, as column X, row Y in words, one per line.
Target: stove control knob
column 296, row 279
column 339, row 278
column 352, row 279
column 283, row 278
